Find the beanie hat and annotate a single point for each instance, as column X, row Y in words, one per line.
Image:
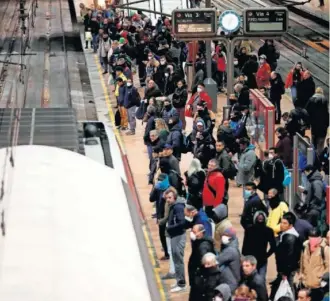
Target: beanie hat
column 230, row 232
column 122, row 40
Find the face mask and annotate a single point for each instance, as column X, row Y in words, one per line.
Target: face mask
column 199, row 90
column 235, row 63
column 163, row 30
column 323, row 283
column 262, row 61
column 225, row 240
column 149, row 57
column 270, row 156
column 217, row 298
column 193, row 236
column 167, row 74
column 162, row 62
column 129, row 84
column 189, row 219
column 247, row 193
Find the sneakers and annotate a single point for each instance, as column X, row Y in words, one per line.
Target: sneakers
column 168, row 276
column 178, row 289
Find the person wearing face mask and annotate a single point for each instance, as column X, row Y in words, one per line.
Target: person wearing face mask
column 201, row 94
column 314, row 262
column 271, row 53
column 226, row 134
column 169, row 112
column 207, row 279
column 277, row 209
column 206, row 115
column 174, row 137
column 263, row 73
column 169, row 87
column 273, row 173
column 294, row 77
column 179, row 100
column 252, row 204
column 159, row 75
column 257, row 239
column 131, row 102
column 197, row 217
column 201, row 244
column 229, row 259
column 250, row 69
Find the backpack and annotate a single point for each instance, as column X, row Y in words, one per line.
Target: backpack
column 140, row 112
column 182, row 189
column 185, row 144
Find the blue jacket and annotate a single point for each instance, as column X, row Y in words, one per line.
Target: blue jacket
column 172, row 113
column 122, row 91
column 176, row 220
column 175, row 138
column 156, row 195
column 130, row 97
column 202, row 219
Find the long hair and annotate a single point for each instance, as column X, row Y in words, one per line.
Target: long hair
column 194, row 166
column 161, row 124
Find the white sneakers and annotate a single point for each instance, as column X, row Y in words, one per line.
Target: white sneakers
column 176, row 289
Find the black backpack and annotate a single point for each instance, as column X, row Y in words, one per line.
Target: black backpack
column 258, row 168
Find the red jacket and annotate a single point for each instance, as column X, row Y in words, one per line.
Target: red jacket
column 203, row 96
column 214, row 189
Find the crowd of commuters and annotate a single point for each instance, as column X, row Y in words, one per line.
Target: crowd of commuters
column 198, row 200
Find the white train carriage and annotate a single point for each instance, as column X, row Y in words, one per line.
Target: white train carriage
column 72, row 232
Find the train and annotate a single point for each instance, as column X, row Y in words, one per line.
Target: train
column 71, row 229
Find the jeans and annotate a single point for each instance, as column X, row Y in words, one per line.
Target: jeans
column 131, row 118
column 178, row 244
column 172, row 266
column 294, row 94
column 262, row 271
column 95, row 41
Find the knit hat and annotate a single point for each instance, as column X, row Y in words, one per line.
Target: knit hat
column 122, row 40
column 230, row 232
column 200, row 123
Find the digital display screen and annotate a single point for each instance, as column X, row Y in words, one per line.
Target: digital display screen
column 265, row 21
column 194, row 23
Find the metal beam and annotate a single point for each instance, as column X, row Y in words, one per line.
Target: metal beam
column 150, row 11
column 129, row 4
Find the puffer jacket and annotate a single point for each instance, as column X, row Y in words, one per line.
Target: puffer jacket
column 314, row 265
column 275, row 216
column 246, row 164
column 180, row 97
column 174, row 138
column 222, row 223
column 315, row 191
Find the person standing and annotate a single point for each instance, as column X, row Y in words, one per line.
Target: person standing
column 131, row 101
column 177, row 232
column 305, row 90
column 179, row 100
column 275, row 94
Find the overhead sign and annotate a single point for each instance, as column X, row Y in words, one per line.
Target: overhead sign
column 263, row 21
column 194, row 23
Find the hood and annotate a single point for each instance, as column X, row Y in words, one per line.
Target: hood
column 163, row 185
column 232, row 244
column 257, row 214
column 291, row 231
column 175, row 127
column 221, row 212
column 316, row 175
column 198, row 119
column 180, row 200
column 225, row 291
column 251, row 147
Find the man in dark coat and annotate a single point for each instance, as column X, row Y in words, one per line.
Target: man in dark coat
column 287, row 253
column 201, row 244
column 252, row 279
column 257, row 238
column 318, row 110
column 305, row 90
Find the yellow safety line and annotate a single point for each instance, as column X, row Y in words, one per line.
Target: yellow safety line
column 108, row 102
column 144, row 228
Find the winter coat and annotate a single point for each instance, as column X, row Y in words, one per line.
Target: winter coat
column 176, row 220
column 288, row 252
column 214, row 188
column 195, row 185
column 202, row 219
column 263, row 75
column 229, row 261
column 292, row 79
column 194, row 100
column 315, row 191
column 180, row 97
column 131, row 97
column 318, row 110
column 204, row 149
column 303, row 227
column 224, row 162
column 314, row 265
column 149, row 127
column 285, row 150
column 156, row 195
column 273, row 176
column 251, row 206
column 255, row 282
column 276, row 89
column 275, row 215
column 245, row 172
column 250, row 69
column 205, row 281
column 152, row 92
column 199, row 248
column 270, row 52
column 226, row 134
column 244, row 97
column 174, row 138
column 170, row 113
column 170, row 166
column 257, row 238
column 222, row 223
column 305, row 90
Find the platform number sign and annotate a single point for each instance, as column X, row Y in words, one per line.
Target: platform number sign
column 265, row 21
column 194, row 23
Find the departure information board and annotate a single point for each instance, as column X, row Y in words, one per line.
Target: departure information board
column 265, row 21
column 194, row 23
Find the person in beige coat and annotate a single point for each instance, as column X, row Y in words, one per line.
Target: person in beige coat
column 314, row 263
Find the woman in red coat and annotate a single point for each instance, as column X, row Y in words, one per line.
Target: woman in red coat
column 191, row 107
column 263, row 73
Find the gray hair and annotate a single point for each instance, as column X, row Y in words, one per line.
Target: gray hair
column 215, row 161
column 151, row 109
column 194, row 166
column 154, row 133
column 249, row 258
column 209, row 258
column 274, row 191
column 190, row 208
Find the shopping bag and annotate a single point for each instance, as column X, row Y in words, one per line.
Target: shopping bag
column 284, row 290
column 88, row 36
